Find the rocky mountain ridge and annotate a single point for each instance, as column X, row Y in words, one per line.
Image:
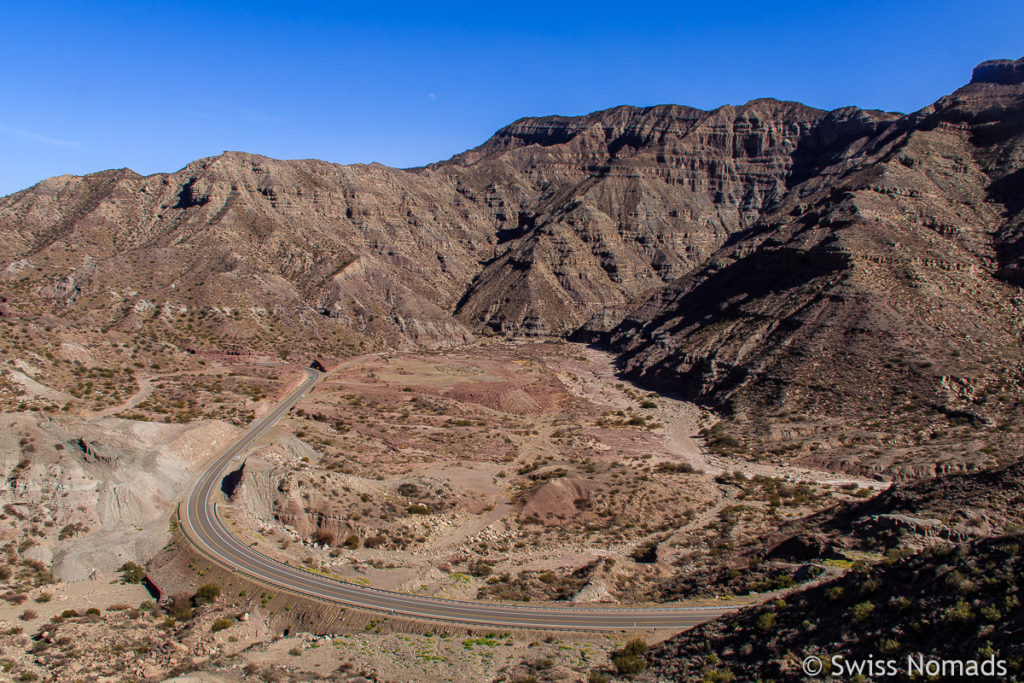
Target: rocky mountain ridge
column 770, row 259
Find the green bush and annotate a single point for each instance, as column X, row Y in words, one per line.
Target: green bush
column 961, row 611
column 766, row 622
column 208, row 592
column 132, row 573
column 221, row 624
column 630, row 659
column 862, row 610
column 627, row 665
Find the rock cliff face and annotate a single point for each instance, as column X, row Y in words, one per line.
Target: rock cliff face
column 631, row 199
column 885, row 283
column 769, row 258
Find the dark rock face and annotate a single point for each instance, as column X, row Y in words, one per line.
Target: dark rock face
column 1001, row 71
column 868, row 615
column 803, row 547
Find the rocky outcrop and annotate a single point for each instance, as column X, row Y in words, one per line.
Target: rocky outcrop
column 929, row 530
column 1000, row 71
column 98, row 493
column 638, row 198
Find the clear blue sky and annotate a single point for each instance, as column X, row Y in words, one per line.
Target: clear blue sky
column 94, row 85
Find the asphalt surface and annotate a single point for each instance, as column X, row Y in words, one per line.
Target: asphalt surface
column 205, row 529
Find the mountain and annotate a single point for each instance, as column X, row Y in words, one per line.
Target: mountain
column 883, row 285
column 249, row 249
column 812, row 275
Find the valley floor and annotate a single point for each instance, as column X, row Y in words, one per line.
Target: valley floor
column 512, row 471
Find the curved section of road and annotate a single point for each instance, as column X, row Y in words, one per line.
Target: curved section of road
column 205, row 529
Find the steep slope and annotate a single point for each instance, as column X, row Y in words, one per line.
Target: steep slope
column 265, row 252
column 949, row 603
column 630, row 199
column 956, row 508
column 883, row 286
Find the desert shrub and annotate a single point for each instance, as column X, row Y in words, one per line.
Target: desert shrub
column 419, row 509
column 71, row 530
column 630, row 659
column 481, row 568
column 352, row 542
column 862, row 610
column 44, row 597
column 961, row 611
column 647, row 553
column 889, row 645
column 180, row 607
column 15, row 598
column 132, row 573
column 28, row 615
column 208, row 592
column 323, row 537
column 773, row 583
column 374, row 541
column 675, row 467
column 221, row 624
column 40, row 575
column 767, row 621
column 991, row 613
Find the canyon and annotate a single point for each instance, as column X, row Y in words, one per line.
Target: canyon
column 642, row 355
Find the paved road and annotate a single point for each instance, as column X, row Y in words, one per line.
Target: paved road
column 207, row 531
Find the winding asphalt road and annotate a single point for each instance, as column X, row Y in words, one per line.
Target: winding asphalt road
column 205, row 529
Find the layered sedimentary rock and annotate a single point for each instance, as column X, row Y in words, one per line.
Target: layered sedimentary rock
column 759, row 258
